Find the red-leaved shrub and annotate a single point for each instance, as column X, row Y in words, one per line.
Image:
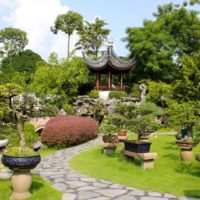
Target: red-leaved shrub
column 69, row 130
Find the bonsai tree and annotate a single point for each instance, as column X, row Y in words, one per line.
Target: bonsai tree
column 21, row 160
column 143, row 126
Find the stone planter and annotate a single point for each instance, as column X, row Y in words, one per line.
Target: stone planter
column 21, row 178
column 186, row 155
column 109, row 148
column 122, row 135
column 185, row 150
column 137, row 146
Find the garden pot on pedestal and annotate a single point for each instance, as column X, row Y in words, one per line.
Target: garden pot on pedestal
column 185, row 150
column 122, row 135
column 186, row 154
column 109, row 148
column 21, row 178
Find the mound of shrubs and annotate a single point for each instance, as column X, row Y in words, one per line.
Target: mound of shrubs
column 64, row 131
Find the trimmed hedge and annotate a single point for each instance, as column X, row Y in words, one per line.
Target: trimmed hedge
column 64, row 131
column 117, row 94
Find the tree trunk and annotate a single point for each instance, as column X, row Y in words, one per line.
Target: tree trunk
column 21, row 134
column 68, row 47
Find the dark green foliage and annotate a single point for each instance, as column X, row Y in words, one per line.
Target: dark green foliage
column 23, row 62
column 94, row 94
column 117, row 94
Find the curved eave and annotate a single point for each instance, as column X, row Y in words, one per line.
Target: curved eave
column 109, row 59
column 96, row 64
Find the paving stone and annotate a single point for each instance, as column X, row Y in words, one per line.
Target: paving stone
column 152, row 198
column 60, row 186
column 87, row 188
column 137, row 193
column 100, row 198
column 169, row 195
column 87, row 195
column 100, row 185
column 73, row 175
column 106, row 182
column 116, row 186
column 69, row 196
column 75, row 184
column 111, row 192
column 59, row 180
column 154, row 194
column 126, row 197
column 88, row 179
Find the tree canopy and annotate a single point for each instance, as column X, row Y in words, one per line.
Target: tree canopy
column 12, row 41
column 68, row 23
column 92, row 36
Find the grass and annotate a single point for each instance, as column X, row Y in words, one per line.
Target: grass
column 39, row 189
column 47, row 151
column 169, row 175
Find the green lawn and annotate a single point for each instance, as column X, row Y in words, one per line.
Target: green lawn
column 169, row 175
column 39, row 189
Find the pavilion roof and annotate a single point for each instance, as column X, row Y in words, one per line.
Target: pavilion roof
column 109, row 59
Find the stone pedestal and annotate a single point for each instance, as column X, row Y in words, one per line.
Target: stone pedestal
column 109, row 148
column 186, row 154
column 21, row 183
column 147, row 159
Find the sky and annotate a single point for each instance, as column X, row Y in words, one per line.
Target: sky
column 37, row 16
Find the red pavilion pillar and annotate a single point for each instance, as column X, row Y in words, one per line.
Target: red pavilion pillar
column 121, row 81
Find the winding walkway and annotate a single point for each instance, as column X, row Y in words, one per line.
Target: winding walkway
column 75, row 186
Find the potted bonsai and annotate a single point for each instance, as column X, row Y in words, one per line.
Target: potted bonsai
column 143, row 126
column 122, row 135
column 110, row 139
column 19, row 159
column 186, row 140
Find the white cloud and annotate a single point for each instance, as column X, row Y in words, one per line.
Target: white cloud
column 36, row 17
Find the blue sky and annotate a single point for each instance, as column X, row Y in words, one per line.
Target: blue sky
column 36, row 16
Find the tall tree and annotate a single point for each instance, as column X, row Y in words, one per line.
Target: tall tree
column 68, row 23
column 92, row 36
column 12, row 41
column 159, row 45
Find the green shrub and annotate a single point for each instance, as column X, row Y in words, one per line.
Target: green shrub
column 94, row 94
column 117, row 94
column 159, row 92
column 69, row 109
column 178, row 113
column 135, row 92
column 149, row 108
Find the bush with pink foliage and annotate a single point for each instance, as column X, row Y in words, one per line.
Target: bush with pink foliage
column 66, row 131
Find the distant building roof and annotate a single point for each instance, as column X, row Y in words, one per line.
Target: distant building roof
column 109, row 59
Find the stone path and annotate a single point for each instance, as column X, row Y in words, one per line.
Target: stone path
column 75, row 186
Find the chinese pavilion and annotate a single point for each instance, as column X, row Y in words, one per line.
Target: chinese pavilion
column 109, row 64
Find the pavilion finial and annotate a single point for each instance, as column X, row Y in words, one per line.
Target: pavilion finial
column 110, row 42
